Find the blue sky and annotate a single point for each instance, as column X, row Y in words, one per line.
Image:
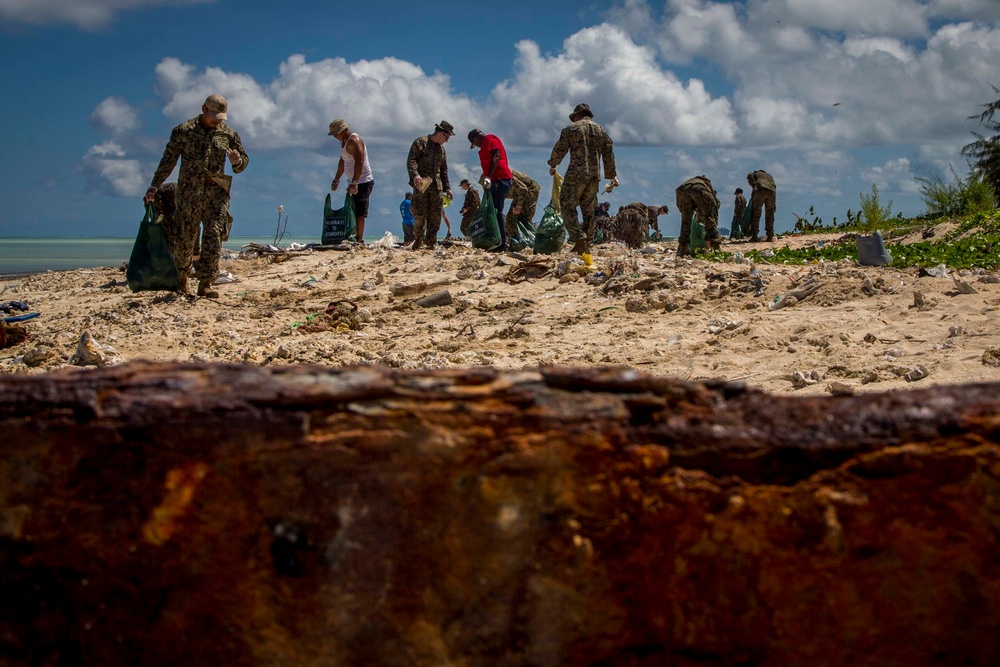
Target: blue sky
column 829, row 96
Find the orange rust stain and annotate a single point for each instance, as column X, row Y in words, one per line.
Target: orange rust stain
column 180, row 485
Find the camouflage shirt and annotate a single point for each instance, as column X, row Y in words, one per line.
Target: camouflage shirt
column 700, row 183
column 588, row 145
column 524, row 188
column 761, row 180
column 472, row 202
column 652, row 213
column 428, row 159
column 739, row 205
column 202, row 151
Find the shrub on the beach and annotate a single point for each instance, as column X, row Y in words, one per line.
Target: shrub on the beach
column 875, row 214
column 966, row 196
column 984, row 153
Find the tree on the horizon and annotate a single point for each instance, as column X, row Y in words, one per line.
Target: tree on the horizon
column 984, row 153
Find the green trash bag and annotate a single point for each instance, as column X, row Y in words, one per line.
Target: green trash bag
column 736, row 228
column 551, row 234
column 151, row 265
column 745, row 223
column 483, row 228
column 339, row 225
column 524, row 237
column 697, row 239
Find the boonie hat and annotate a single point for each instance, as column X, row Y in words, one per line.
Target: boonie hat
column 446, row 127
column 216, row 105
column 464, row 181
column 581, row 110
column 337, row 125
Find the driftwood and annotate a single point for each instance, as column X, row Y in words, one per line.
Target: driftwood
column 233, row 515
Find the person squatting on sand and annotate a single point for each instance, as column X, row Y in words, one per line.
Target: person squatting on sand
column 628, row 226
column 354, row 162
column 524, row 193
column 427, row 168
column 588, row 145
column 652, row 214
column 202, row 144
column 497, row 178
column 696, row 195
column 469, row 206
column 763, row 196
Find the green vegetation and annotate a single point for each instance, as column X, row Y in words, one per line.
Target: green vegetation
column 984, row 153
column 875, row 214
column 963, row 197
column 980, row 247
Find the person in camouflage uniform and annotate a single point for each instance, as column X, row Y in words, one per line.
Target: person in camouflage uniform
column 696, row 195
column 427, row 168
column 763, row 196
column 202, row 144
column 628, row 226
column 652, row 213
column 588, row 145
column 523, row 195
column 165, row 204
column 469, row 207
column 739, row 206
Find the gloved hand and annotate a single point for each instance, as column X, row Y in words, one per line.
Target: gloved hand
column 486, row 183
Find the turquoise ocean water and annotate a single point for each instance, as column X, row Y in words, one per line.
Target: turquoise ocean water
column 32, row 255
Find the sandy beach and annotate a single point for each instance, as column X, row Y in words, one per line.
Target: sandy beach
column 862, row 329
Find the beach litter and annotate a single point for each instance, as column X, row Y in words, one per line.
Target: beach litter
column 802, row 379
column 11, row 336
column 963, row 287
column 531, row 270
column 720, row 324
column 11, row 306
column 918, row 373
column 91, row 353
column 442, row 298
column 991, row 357
column 803, row 290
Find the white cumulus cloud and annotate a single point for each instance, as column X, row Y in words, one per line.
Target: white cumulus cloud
column 108, row 170
column 86, row 14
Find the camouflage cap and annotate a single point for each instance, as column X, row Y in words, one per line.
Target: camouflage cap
column 446, row 127
column 581, row 110
column 216, row 106
column 464, row 181
column 338, row 125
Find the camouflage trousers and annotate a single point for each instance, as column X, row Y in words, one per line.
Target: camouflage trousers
column 426, row 208
column 582, row 195
column 467, row 222
column 762, row 199
column 526, row 198
column 690, row 200
column 207, row 206
column 629, row 227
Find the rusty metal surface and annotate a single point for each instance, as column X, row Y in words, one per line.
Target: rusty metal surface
column 561, row 516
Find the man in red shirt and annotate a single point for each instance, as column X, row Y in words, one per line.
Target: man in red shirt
column 497, row 177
